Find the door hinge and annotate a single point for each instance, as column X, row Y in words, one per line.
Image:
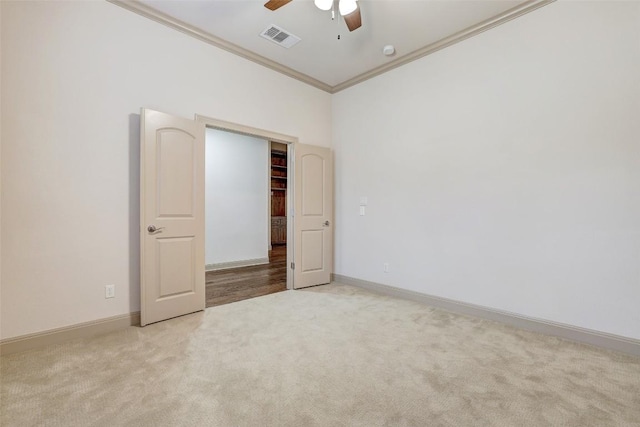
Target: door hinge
column 293, row 265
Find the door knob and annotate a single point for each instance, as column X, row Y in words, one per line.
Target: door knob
column 327, row 223
column 153, row 229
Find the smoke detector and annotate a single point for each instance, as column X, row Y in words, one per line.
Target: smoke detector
column 389, row 50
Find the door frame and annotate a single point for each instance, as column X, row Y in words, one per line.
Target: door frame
column 291, row 141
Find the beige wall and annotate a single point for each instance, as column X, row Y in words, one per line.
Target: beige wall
column 503, row 171
column 74, row 77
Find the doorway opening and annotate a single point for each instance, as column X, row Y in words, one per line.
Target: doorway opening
column 172, row 211
column 246, row 198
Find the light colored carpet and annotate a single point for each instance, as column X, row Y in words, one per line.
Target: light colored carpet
column 329, row 356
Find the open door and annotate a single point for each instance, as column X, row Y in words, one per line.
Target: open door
column 313, row 229
column 171, row 216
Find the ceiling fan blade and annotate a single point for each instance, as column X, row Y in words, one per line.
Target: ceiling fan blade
column 353, row 20
column 275, row 4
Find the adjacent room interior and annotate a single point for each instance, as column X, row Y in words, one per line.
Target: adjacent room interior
column 245, row 220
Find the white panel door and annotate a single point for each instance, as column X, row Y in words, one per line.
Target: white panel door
column 313, row 222
column 171, row 216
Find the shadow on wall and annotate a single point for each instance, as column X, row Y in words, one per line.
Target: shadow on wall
column 134, row 212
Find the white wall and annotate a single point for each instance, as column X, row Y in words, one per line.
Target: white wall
column 504, row 171
column 236, row 197
column 74, row 77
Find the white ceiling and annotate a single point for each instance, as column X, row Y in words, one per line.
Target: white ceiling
column 409, row 25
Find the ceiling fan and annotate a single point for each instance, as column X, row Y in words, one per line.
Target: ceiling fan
column 349, row 9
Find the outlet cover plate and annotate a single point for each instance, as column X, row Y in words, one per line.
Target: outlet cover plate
column 110, row 291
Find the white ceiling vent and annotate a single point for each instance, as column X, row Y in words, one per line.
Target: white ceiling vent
column 279, row 36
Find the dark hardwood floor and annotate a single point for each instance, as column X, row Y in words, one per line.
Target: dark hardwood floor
column 237, row 284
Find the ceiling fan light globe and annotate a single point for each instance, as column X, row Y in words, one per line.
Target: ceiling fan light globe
column 323, row 4
column 347, row 6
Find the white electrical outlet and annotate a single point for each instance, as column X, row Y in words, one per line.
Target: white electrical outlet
column 385, row 267
column 110, row 291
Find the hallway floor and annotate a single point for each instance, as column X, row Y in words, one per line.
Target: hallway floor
column 237, row 284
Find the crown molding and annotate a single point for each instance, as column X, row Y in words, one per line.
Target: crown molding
column 468, row 32
column 148, row 12
column 171, row 22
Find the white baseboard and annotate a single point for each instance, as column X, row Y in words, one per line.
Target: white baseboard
column 236, row 264
column 60, row 335
column 569, row 332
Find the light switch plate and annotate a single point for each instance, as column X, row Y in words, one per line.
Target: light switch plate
column 363, row 201
column 361, row 210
